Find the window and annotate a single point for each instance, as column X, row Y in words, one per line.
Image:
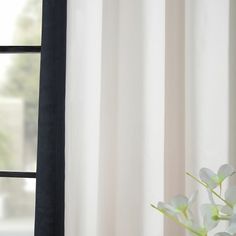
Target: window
column 20, row 47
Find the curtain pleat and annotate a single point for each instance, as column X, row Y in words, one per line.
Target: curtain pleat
column 174, row 105
column 50, row 167
column 114, row 117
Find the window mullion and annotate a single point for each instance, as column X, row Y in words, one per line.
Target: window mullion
column 20, row 49
column 15, row 174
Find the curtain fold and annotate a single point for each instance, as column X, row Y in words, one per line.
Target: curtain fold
column 114, row 116
column 174, row 156
column 49, row 220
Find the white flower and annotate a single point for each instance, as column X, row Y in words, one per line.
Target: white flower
column 230, row 195
column 211, row 179
column 210, row 213
column 178, row 205
column 179, row 208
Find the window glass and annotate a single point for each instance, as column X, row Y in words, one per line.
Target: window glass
column 17, row 207
column 19, row 91
column 20, row 22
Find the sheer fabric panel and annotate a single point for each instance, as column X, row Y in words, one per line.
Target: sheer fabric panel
column 114, row 117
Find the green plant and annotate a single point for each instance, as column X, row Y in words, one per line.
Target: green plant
column 180, row 207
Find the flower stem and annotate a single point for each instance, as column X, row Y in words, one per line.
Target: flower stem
column 176, row 221
column 215, row 193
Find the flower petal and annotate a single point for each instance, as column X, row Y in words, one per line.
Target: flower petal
column 210, row 210
column 193, row 198
column 180, row 203
column 230, row 195
column 225, row 171
column 167, row 208
column 182, row 219
column 210, row 195
column 209, row 177
column 209, row 223
column 232, row 226
column 226, row 210
column 232, row 229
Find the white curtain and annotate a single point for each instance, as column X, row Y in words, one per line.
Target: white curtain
column 207, row 88
column 147, row 98
column 114, row 117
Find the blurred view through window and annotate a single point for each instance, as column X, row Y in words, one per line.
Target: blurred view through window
column 20, row 24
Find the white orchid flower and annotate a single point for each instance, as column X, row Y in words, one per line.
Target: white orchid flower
column 230, row 196
column 211, row 213
column 211, row 216
column 227, row 210
column 179, row 205
column 213, row 180
column 179, row 208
